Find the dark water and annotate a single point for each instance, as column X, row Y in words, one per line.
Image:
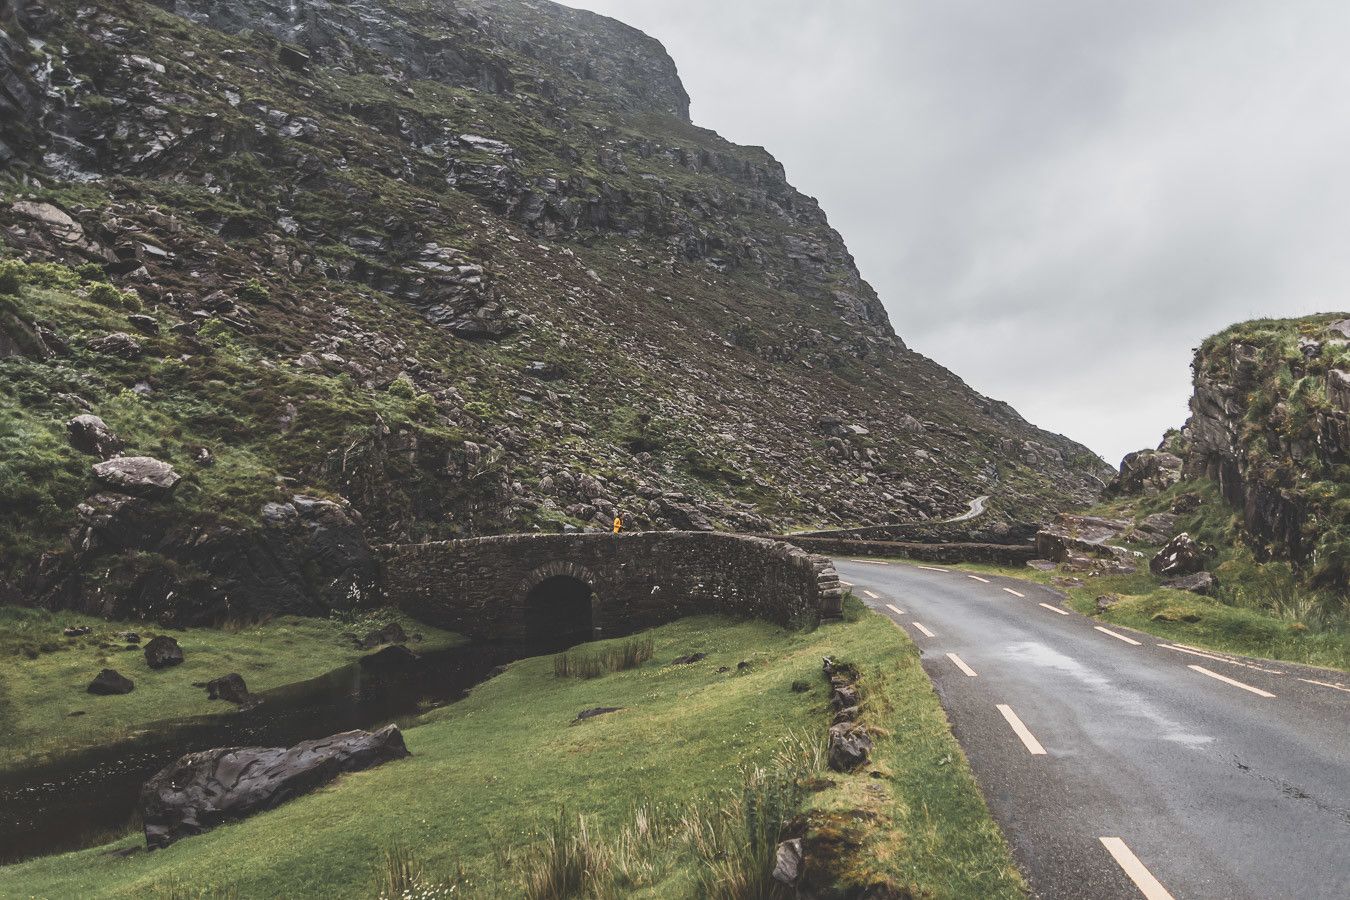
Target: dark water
column 84, row 799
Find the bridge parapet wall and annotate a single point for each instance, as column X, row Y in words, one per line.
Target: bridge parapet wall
column 478, row 586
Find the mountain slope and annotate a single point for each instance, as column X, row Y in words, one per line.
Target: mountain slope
column 466, row 268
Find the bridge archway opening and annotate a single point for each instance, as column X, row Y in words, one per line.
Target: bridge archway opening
column 558, row 613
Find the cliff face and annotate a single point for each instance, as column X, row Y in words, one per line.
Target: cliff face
column 458, row 268
column 1270, row 424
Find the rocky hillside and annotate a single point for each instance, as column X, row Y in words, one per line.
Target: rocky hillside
column 395, row 269
column 1270, row 427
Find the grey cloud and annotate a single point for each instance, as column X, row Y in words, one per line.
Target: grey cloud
column 1057, row 200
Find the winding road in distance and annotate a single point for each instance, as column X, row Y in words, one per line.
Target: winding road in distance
column 1123, row 765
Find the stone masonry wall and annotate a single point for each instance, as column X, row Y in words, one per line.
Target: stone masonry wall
column 478, row 587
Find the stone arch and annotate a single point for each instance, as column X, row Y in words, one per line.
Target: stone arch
column 558, row 606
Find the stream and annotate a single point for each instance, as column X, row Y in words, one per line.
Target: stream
column 90, row 797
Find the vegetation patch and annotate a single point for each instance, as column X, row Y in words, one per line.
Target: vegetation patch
column 45, row 712
column 679, row 794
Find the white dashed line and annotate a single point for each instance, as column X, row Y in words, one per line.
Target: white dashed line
column 872, row 595
column 895, row 609
column 1033, row 746
column 978, row 578
column 1334, row 687
column 1054, row 609
column 923, row 630
column 1014, row 593
column 871, row 562
column 1183, row 648
column 1143, row 879
column 1120, row 637
column 930, row 568
column 1226, row 680
column 846, row 583
column 960, row 664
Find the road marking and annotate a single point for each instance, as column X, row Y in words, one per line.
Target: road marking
column 960, row 664
column 1014, row 593
column 1184, row 648
column 895, row 609
column 922, row 629
column 931, row 568
column 871, row 562
column 1033, row 745
column 1143, row 879
column 978, row 578
column 1334, row 687
column 872, row 595
column 846, row 583
column 1120, row 637
column 1226, row 680
column 1054, row 609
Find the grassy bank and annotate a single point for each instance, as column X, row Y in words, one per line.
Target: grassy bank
column 650, row 792
column 45, row 711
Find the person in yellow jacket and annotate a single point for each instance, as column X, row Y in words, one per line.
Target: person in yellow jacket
column 618, row 524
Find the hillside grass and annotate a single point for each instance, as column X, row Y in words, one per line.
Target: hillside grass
column 46, row 713
column 504, row 788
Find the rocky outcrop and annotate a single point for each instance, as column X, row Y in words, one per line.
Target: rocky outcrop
column 1270, row 424
column 206, row 789
column 1146, row 472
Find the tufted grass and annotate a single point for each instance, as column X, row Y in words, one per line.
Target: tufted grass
column 489, row 778
column 43, row 675
column 583, row 663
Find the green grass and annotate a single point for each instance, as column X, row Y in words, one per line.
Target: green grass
column 484, row 792
column 43, row 675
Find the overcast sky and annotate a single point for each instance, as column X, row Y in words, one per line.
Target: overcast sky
column 1057, row 199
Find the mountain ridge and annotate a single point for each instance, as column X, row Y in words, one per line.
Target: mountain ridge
column 402, row 259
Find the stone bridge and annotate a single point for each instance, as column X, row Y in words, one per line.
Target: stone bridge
column 551, row 591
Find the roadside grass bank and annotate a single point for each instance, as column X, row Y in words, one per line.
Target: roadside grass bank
column 45, row 711
column 683, row 791
column 1144, row 604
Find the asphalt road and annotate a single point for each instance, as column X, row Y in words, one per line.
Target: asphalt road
column 1203, row 788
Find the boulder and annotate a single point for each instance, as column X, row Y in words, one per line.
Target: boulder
column 76, row 631
column 119, row 344
column 147, row 325
column 90, row 434
column 787, row 862
column 1198, row 583
column 844, row 695
column 229, row 687
column 850, row 746
column 1106, row 601
column 109, row 682
column 139, row 476
column 1181, row 556
column 392, row 633
column 206, row 789
column 688, row 659
column 596, row 711
column 163, row 652
column 1146, row 472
